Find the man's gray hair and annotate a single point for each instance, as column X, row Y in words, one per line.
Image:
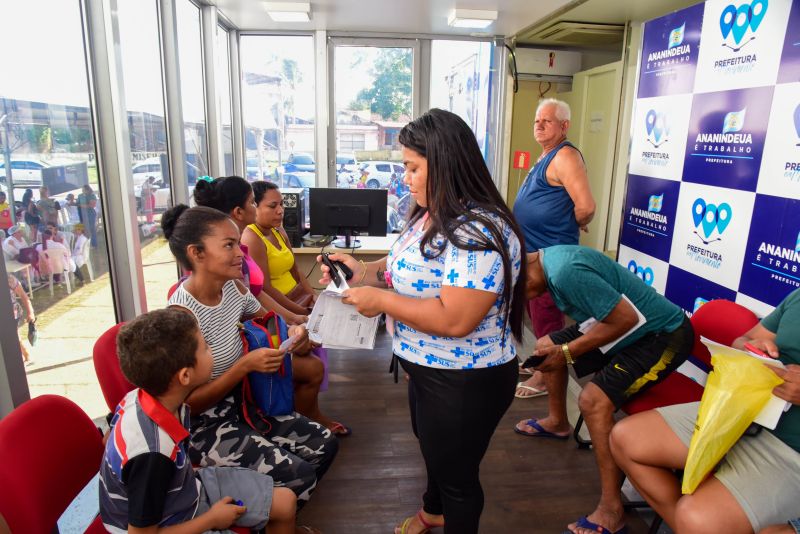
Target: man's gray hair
column 562, row 108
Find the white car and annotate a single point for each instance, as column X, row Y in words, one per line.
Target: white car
column 152, row 167
column 380, row 173
column 24, row 172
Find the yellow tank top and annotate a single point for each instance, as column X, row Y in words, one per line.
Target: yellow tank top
column 281, row 261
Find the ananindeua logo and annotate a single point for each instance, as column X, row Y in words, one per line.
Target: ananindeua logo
column 709, row 220
column 675, row 52
column 699, row 301
column 651, row 219
column 655, row 203
column 676, row 36
column 727, row 145
column 780, row 259
column 645, row 273
column 738, row 25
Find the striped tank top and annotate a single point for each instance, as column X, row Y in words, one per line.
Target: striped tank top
column 220, row 324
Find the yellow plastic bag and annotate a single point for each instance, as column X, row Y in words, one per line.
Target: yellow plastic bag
column 736, row 391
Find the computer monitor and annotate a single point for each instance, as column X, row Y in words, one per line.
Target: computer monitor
column 347, row 212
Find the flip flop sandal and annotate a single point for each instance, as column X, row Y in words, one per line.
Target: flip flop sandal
column 540, row 432
column 536, row 392
column 584, row 522
column 339, row 430
column 406, row 524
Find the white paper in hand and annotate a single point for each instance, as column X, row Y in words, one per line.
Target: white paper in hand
column 339, row 325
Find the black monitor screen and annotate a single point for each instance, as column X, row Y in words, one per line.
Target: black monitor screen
column 348, row 211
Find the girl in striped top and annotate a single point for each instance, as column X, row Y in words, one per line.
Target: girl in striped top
column 297, row 451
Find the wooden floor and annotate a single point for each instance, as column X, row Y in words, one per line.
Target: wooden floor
column 532, row 485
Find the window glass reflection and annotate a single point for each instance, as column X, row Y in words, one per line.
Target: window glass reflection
column 52, row 219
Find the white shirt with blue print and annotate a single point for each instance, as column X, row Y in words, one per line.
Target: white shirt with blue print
column 414, row 275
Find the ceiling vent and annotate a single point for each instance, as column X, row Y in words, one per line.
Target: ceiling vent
column 575, row 34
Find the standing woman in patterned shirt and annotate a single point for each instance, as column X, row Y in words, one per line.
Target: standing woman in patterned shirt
column 453, row 291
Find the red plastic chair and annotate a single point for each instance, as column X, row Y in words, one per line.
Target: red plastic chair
column 49, row 450
column 106, row 366
column 719, row 320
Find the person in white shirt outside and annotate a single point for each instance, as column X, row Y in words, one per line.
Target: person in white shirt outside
column 71, row 209
column 458, row 300
column 14, row 242
column 77, row 249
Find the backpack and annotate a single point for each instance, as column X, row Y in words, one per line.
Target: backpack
column 266, row 394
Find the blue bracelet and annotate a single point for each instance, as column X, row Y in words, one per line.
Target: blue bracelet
column 795, row 524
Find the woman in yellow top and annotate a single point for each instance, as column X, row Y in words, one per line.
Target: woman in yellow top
column 268, row 244
column 269, row 247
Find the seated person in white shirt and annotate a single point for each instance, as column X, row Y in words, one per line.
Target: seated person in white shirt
column 14, row 242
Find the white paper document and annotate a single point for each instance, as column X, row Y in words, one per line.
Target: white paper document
column 339, row 325
column 768, row 417
column 589, row 323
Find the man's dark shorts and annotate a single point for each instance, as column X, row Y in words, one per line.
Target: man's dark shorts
column 635, row 368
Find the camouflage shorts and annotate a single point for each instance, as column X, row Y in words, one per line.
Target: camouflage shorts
column 296, row 452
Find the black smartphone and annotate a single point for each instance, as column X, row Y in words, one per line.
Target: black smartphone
column 334, row 272
column 533, row 361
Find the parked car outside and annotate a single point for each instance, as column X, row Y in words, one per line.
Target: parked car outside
column 255, row 173
column 152, row 167
column 297, row 162
column 380, row 173
column 26, row 172
column 346, row 162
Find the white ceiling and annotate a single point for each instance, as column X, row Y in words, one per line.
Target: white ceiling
column 392, row 16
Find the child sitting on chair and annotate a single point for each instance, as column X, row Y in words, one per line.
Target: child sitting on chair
column 147, row 480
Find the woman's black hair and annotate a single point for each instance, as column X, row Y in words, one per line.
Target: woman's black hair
column 224, row 194
column 27, row 197
column 184, row 226
column 260, row 189
column 462, row 196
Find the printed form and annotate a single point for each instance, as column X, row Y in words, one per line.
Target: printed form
column 338, row 325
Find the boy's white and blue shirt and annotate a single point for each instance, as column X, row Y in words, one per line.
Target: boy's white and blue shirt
column 414, row 275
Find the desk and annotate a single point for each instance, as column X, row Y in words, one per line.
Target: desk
column 13, row 266
column 372, row 248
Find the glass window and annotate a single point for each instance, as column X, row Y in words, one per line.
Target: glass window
column 279, row 107
column 141, row 68
column 190, row 59
column 373, row 96
column 46, row 127
column 460, row 81
column 224, row 98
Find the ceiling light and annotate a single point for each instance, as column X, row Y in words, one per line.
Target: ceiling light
column 471, row 18
column 288, row 11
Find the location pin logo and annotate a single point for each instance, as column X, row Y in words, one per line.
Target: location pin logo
column 797, row 119
column 724, row 214
column 741, row 23
column 758, row 8
column 698, row 211
column 726, row 20
column 658, row 127
column 650, row 121
column 710, row 220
